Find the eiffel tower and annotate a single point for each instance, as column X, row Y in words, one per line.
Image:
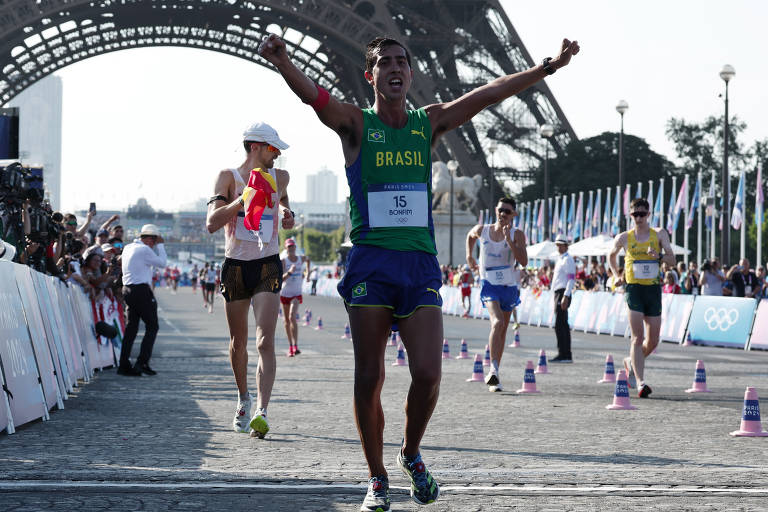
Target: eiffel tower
column 456, row 45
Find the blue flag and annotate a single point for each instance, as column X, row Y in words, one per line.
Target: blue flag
column 615, row 217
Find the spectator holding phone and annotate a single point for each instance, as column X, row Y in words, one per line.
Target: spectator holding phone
column 711, row 278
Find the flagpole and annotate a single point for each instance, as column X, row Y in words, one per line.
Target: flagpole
column 662, row 219
column 685, row 231
column 743, row 239
column 674, row 231
column 650, row 203
column 698, row 226
column 759, row 214
column 712, row 249
column 639, row 192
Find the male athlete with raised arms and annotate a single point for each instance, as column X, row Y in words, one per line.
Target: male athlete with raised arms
column 642, row 246
column 387, row 150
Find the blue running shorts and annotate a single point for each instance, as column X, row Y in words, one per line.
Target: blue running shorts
column 399, row 280
column 508, row 297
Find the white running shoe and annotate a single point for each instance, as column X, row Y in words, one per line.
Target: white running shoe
column 492, row 378
column 242, row 413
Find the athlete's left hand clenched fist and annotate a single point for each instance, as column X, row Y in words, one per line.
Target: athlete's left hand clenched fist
column 288, row 220
column 567, row 50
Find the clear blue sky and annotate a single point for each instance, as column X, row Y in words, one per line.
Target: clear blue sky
column 161, row 122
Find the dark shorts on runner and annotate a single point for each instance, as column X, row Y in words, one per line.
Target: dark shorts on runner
column 243, row 279
column 508, row 297
column 209, row 287
column 402, row 281
column 644, row 298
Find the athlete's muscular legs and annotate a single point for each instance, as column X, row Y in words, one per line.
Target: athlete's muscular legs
column 369, row 327
column 652, row 330
column 499, row 325
column 636, row 348
column 237, row 319
column 287, row 321
column 422, row 335
column 265, row 306
column 294, row 322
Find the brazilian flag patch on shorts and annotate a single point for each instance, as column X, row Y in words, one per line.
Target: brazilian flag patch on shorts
column 359, row 291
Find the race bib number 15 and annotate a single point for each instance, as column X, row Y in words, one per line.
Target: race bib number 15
column 396, row 205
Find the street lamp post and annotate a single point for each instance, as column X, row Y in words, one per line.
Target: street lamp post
column 301, row 223
column 621, row 107
column 492, row 147
column 725, row 242
column 546, row 131
column 452, row 166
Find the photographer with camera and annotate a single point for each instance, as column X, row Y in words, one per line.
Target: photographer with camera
column 711, row 278
column 745, row 282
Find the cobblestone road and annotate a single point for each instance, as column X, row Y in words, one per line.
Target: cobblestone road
column 164, row 442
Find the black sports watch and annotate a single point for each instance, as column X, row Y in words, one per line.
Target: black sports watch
column 548, row 69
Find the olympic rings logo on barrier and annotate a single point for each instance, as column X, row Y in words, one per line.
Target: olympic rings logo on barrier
column 720, row 318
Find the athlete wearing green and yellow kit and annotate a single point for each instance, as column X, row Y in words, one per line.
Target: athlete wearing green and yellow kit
column 393, row 262
column 643, row 290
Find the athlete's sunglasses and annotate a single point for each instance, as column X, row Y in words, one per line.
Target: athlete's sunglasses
column 638, row 214
column 270, row 147
column 504, row 210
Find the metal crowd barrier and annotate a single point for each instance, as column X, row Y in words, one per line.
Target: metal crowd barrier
column 703, row 320
column 48, row 343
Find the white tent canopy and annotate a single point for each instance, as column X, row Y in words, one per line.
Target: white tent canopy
column 601, row 245
column 542, row 250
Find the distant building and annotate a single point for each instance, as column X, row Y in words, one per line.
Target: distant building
column 40, row 108
column 322, row 188
column 325, row 217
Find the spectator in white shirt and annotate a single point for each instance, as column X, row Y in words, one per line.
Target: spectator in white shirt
column 562, row 286
column 138, row 258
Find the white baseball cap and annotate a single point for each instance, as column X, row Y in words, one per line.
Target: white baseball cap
column 561, row 240
column 149, row 230
column 262, row 132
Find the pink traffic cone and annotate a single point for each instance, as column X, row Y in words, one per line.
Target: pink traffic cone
column 688, row 341
column 529, row 380
column 750, row 417
column 319, row 324
column 621, row 394
column 542, row 366
column 446, row 349
column 487, row 358
column 477, row 370
column 610, row 374
column 463, row 354
column 516, row 343
column 699, row 380
column 393, row 339
column 400, row 361
column 347, row 334
column 306, row 317
column 280, row 313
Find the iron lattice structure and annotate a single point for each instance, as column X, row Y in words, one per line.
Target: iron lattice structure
column 456, row 45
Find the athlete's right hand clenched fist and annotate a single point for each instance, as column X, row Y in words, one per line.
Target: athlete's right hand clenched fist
column 272, row 48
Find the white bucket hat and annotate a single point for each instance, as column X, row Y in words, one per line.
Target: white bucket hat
column 262, row 132
column 149, row 230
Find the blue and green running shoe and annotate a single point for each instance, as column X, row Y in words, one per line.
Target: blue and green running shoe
column 424, row 488
column 377, row 499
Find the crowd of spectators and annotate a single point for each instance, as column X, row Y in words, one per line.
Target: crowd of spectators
column 739, row 280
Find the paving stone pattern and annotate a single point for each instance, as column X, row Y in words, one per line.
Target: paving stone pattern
column 175, row 429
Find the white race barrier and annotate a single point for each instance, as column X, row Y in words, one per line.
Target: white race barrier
column 47, row 344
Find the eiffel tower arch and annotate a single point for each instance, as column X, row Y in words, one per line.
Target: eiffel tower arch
column 456, row 45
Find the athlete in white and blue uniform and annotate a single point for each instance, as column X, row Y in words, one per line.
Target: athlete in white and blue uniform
column 501, row 247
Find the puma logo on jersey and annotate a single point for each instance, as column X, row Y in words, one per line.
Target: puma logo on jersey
column 417, row 132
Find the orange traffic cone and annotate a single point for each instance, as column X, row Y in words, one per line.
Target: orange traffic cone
column 463, row 354
column 400, row 360
column 609, row 375
column 621, row 394
column 529, row 380
column 699, row 380
column 750, row 417
column 477, row 370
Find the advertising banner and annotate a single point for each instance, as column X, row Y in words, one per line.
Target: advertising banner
column 19, row 368
column 585, row 314
column 675, row 312
column 72, row 345
column 53, row 335
column 40, row 344
column 721, row 321
column 759, row 339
